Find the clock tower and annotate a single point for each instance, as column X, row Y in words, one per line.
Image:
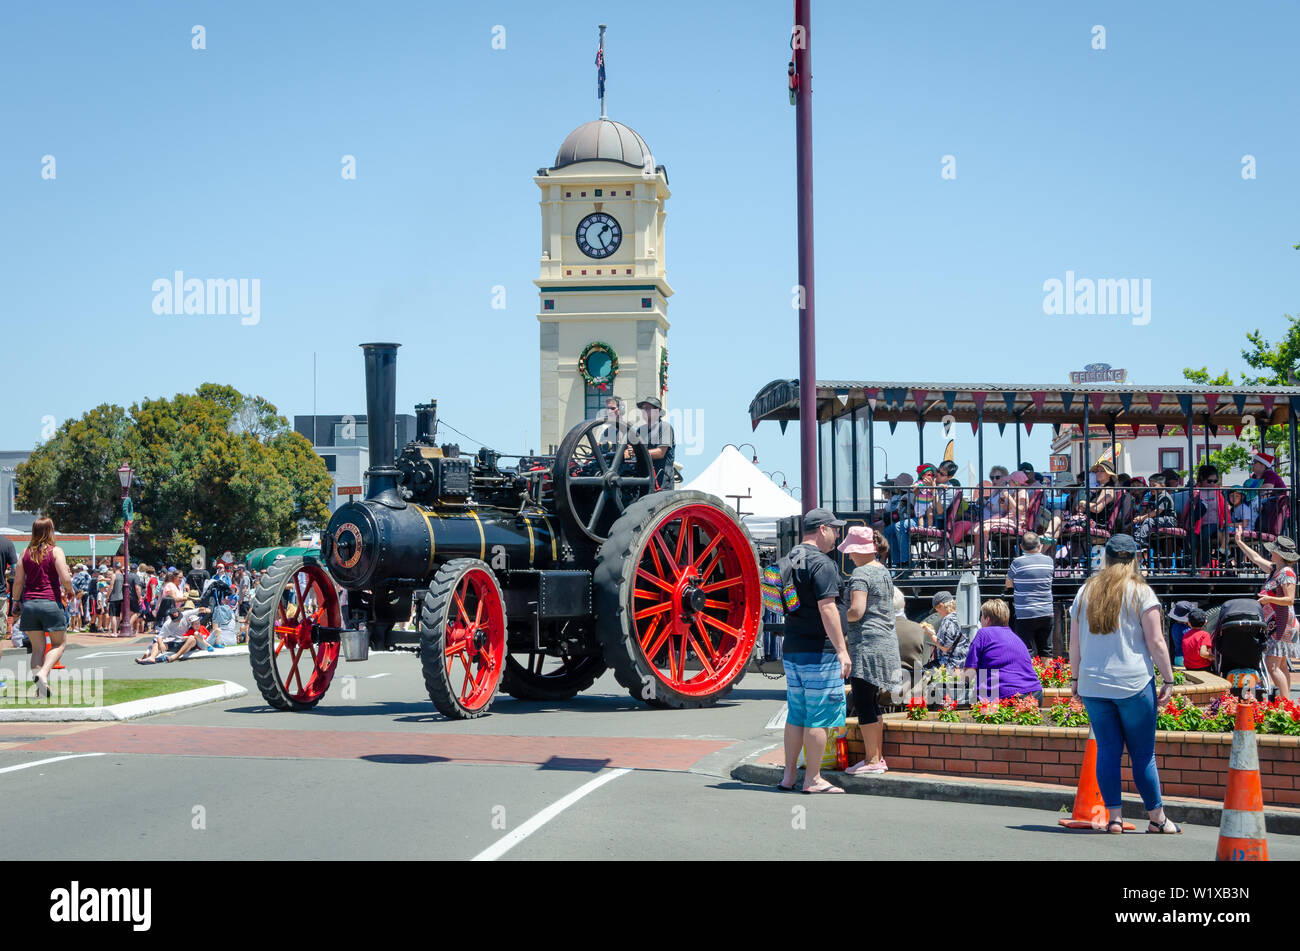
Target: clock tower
column 603, row 286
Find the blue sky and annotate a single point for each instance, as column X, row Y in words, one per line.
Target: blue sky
column 225, row 162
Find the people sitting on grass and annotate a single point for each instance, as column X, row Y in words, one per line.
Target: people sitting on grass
column 180, row 633
column 998, row 661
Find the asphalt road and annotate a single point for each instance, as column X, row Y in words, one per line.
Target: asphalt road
column 375, row 772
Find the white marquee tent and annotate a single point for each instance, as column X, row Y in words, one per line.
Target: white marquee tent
column 732, row 474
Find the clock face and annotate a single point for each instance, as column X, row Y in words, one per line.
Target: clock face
column 599, row 235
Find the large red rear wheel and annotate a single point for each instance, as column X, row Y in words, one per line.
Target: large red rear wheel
column 678, row 602
column 293, row 670
column 463, row 638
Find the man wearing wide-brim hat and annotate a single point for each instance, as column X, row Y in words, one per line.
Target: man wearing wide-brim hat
column 1277, row 599
column 657, row 435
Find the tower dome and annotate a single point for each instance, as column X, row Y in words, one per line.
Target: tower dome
column 602, row 140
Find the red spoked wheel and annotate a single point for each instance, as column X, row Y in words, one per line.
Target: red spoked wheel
column 463, row 638
column 678, row 600
column 293, row 667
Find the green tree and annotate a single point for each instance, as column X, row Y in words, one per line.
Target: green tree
column 1275, row 365
column 214, row 468
column 72, row 477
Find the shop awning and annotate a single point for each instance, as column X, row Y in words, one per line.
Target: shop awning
column 107, row 547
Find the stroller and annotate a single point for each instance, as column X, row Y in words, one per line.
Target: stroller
column 1239, row 639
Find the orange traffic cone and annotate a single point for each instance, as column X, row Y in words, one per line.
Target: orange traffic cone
column 1241, row 831
column 1089, row 806
column 47, row 650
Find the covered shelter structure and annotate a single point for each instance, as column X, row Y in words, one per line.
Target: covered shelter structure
column 1181, row 561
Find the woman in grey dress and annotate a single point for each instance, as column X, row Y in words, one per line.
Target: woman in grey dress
column 872, row 639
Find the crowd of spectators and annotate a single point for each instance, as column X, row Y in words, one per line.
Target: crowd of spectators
column 926, row 516
column 185, row 611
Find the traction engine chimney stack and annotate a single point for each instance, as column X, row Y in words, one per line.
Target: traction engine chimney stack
column 381, row 419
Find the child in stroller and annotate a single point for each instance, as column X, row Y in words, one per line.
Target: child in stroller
column 1239, row 639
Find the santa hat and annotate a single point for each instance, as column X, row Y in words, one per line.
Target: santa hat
column 1265, row 458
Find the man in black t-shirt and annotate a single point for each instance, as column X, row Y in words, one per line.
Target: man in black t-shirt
column 815, row 656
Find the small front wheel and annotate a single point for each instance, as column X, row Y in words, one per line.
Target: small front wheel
column 293, row 669
column 463, row 638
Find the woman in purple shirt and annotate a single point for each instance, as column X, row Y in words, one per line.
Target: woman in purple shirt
column 999, row 658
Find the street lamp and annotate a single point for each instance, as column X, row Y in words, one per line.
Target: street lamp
column 754, row 460
column 124, row 474
column 882, row 449
column 772, row 475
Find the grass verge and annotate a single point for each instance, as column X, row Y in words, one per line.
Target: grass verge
column 90, row 694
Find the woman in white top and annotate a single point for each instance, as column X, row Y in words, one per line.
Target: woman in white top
column 1116, row 635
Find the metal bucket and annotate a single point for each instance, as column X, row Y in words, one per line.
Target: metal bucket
column 356, row 644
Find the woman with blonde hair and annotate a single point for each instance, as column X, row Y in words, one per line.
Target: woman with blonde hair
column 1116, row 636
column 42, row 579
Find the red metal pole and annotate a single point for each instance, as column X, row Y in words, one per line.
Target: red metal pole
column 126, row 575
column 802, row 41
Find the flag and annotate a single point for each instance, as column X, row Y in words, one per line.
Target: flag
column 600, row 73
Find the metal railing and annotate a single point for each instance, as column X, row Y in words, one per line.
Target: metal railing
column 934, row 531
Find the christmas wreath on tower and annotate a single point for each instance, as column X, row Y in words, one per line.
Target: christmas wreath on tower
column 598, row 364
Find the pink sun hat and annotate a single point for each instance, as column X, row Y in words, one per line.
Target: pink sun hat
column 858, row 540
column 1018, row 478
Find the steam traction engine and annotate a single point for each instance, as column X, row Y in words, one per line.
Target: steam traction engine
column 533, row 579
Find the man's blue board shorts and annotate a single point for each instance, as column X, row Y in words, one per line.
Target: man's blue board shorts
column 814, row 690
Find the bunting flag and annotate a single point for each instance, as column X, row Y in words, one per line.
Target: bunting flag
column 1137, row 429
column 1126, row 401
column 1155, row 399
column 974, row 426
column 1039, row 398
column 783, row 423
column 950, row 399
column 1010, row 400
column 1160, row 429
column 918, row 398
column 1214, row 430
column 1067, row 399
column 1097, row 399
column 1236, row 431
column 1185, row 403
column 979, row 397
column 1267, row 400
column 1239, row 400
column 842, row 395
column 1056, row 430
column 1211, row 401
column 1029, row 427
column 600, row 73
column 870, row 396
column 895, row 396
column 893, row 424
column 1001, row 428
column 871, row 401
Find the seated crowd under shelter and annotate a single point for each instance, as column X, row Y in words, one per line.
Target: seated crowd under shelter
column 933, row 521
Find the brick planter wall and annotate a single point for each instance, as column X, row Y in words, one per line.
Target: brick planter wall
column 1191, row 764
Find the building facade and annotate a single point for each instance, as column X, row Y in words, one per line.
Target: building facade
column 342, row 441
column 603, row 288
column 12, row 518
column 1147, row 452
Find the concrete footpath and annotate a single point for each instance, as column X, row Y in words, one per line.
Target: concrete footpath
column 989, row 792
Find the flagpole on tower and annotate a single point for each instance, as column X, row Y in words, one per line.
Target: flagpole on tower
column 600, row 72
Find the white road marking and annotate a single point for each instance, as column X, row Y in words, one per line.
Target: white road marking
column 778, row 718
column 42, row 762
column 510, row 840
column 137, row 653
column 387, row 673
